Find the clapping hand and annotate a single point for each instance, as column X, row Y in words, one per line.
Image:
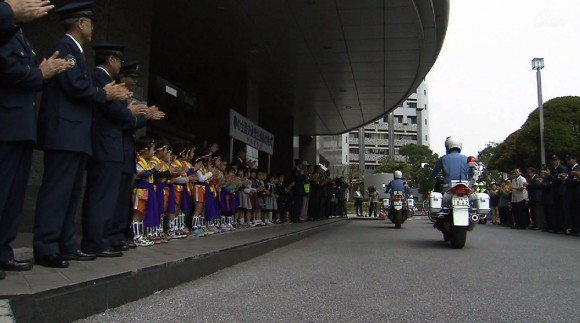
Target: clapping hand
column 117, row 92
column 137, row 108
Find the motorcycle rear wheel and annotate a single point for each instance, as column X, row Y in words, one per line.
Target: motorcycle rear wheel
column 458, row 237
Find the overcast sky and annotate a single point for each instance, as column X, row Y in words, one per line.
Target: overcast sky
column 482, row 87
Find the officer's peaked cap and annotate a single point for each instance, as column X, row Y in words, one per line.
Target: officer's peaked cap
column 76, row 10
column 109, row 49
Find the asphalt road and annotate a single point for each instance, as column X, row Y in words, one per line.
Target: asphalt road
column 367, row 271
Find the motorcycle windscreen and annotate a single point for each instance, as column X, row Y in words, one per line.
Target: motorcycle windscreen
column 461, row 217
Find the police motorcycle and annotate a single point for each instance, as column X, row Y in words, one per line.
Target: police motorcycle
column 398, row 210
column 398, row 207
column 458, row 209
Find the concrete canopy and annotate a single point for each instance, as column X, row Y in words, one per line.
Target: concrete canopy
column 330, row 65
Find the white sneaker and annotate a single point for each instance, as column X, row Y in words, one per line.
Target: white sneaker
column 141, row 241
column 231, row 227
column 175, row 234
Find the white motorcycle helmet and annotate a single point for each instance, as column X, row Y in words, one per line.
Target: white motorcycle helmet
column 453, row 143
column 398, row 174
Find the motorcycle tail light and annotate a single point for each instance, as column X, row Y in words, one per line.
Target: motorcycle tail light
column 398, row 196
column 471, row 161
column 460, row 190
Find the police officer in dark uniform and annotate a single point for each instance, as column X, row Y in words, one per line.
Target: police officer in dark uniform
column 20, row 78
column 106, row 164
column 123, row 210
column 64, row 133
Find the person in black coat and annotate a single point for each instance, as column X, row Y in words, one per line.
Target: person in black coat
column 547, row 198
column 573, row 196
column 20, row 79
column 64, row 133
column 241, row 162
column 559, row 173
column 298, row 192
column 534, row 188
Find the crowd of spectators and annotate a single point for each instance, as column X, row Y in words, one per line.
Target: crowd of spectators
column 547, row 199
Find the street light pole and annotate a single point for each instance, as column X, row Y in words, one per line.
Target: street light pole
column 538, row 64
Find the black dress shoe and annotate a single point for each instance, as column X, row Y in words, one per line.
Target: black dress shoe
column 119, row 248
column 129, row 244
column 15, row 265
column 52, row 261
column 79, row 256
column 109, row 253
column 2, row 275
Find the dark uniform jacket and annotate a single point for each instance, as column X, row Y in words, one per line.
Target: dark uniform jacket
column 7, row 24
column 20, row 79
column 534, row 190
column 129, row 154
column 65, row 117
column 299, row 181
column 108, row 121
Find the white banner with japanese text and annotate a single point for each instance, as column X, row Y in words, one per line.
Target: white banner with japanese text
column 246, row 131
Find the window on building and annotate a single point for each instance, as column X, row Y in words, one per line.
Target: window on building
column 424, row 92
column 425, row 121
column 367, row 135
column 425, row 106
column 426, row 138
column 398, row 119
column 353, row 150
column 413, row 105
column 386, row 118
column 353, row 135
column 412, row 120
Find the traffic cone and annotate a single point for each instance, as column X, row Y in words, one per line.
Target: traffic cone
column 382, row 214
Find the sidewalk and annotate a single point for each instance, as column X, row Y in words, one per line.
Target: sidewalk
column 86, row 288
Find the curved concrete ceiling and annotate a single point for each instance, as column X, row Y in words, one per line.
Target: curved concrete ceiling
column 331, row 65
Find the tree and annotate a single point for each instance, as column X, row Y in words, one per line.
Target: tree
column 417, row 153
column 487, row 153
column 414, row 155
column 561, row 136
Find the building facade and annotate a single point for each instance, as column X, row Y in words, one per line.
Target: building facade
column 407, row 124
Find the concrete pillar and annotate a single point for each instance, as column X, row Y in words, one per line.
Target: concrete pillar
column 307, row 149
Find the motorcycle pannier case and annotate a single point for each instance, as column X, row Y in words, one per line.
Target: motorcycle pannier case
column 481, row 203
column 386, row 203
column 435, row 201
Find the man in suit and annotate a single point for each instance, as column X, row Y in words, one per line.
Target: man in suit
column 64, row 133
column 20, row 78
column 105, row 165
column 15, row 12
column 241, row 162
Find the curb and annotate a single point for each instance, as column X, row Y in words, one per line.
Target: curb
column 81, row 300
